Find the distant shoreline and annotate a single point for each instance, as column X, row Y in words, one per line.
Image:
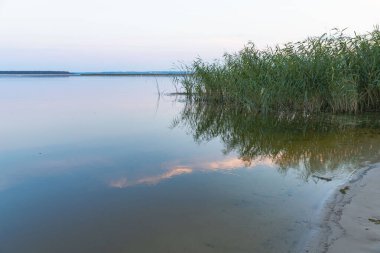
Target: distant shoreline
column 67, row 73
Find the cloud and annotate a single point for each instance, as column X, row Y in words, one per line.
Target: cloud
column 226, row 164
column 152, row 180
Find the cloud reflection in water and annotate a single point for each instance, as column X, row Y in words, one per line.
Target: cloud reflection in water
column 223, row 165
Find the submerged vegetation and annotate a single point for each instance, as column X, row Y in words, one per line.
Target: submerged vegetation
column 376, row 221
column 317, row 146
column 344, row 189
column 331, row 73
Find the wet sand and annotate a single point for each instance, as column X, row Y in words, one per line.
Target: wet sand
column 350, row 218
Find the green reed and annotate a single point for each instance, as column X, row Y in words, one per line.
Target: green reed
column 331, row 73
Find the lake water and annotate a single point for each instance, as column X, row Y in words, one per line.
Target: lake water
column 104, row 164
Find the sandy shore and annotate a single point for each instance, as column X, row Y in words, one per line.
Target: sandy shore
column 350, row 217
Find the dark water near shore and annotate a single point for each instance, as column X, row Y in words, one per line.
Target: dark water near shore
column 104, row 164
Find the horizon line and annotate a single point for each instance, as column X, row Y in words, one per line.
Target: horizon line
column 91, row 73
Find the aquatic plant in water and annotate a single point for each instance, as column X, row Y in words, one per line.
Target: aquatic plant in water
column 331, row 73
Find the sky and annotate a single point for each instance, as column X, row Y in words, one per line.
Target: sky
column 124, row 35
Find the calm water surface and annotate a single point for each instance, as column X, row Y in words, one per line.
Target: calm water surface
column 103, row 164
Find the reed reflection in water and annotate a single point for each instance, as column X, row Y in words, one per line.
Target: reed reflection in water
column 321, row 146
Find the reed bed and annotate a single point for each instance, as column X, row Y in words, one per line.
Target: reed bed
column 334, row 72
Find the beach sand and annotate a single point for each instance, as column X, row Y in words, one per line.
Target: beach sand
column 350, row 217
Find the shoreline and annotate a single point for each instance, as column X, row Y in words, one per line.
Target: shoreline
column 49, row 73
column 91, row 75
column 344, row 224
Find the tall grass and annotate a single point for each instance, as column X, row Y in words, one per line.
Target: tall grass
column 331, row 73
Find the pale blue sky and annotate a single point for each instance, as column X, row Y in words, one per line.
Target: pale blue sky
column 96, row 35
